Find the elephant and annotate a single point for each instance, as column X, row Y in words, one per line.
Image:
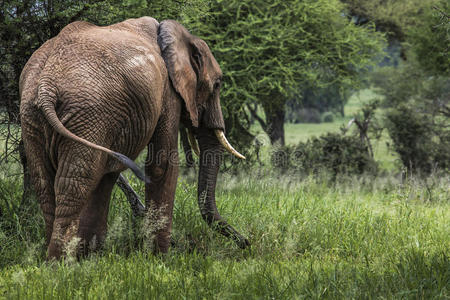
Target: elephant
column 92, row 98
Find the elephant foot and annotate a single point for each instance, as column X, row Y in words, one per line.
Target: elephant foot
column 227, row 230
column 64, row 241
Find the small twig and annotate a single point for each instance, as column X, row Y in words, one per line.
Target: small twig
column 442, row 12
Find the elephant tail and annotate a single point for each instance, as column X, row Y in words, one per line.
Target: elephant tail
column 46, row 103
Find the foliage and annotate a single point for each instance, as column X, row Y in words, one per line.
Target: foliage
column 391, row 16
column 416, row 93
column 331, row 98
column 422, row 26
column 296, row 114
column 267, row 50
column 367, row 123
column 328, row 117
column 331, row 153
column 413, row 137
column 430, row 39
column 417, row 116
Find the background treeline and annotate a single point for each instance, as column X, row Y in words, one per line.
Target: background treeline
column 283, row 61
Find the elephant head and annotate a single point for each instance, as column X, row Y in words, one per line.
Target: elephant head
column 196, row 76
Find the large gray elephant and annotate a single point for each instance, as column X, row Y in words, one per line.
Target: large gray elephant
column 92, row 98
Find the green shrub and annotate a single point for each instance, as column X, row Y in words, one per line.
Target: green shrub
column 417, row 116
column 422, row 146
column 328, row 117
column 334, row 153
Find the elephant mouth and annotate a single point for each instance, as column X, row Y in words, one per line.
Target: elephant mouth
column 222, row 139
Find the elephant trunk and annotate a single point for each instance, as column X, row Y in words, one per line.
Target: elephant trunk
column 210, row 158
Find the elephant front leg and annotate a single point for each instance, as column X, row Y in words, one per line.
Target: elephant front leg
column 162, row 168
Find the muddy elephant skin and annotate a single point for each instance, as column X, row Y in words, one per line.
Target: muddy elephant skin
column 92, row 98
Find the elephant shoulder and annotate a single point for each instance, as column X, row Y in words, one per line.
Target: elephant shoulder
column 75, row 27
column 144, row 23
column 146, row 27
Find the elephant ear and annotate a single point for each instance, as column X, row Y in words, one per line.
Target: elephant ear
column 183, row 60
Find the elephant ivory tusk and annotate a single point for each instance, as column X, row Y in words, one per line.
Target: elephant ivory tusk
column 223, row 140
column 193, row 142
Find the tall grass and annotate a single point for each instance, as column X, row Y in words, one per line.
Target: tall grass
column 357, row 238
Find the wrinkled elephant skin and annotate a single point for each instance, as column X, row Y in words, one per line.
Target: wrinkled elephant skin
column 92, row 98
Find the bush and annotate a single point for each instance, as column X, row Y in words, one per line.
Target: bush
column 328, row 117
column 418, row 110
column 422, row 147
column 332, row 152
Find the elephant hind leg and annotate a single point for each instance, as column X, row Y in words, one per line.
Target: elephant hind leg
column 94, row 216
column 68, row 208
column 42, row 175
column 80, row 170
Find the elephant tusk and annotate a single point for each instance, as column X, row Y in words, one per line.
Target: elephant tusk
column 223, row 140
column 193, row 142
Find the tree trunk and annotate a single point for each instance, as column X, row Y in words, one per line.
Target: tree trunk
column 275, row 124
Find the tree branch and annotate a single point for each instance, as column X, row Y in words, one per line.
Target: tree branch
column 258, row 118
column 442, row 12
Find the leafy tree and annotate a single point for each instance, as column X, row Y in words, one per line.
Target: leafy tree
column 267, row 50
column 390, row 16
column 409, row 21
column 417, row 114
column 430, row 39
column 416, row 94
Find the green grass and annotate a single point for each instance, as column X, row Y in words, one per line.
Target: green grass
column 295, row 133
column 359, row 238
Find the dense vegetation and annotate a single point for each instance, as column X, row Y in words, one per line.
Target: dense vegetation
column 331, row 153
